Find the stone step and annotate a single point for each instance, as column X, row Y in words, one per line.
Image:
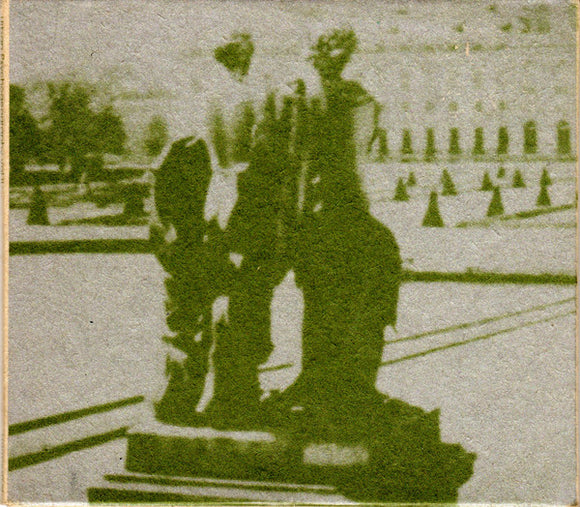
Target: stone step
column 123, row 488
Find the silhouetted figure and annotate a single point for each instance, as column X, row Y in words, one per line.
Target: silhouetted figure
column 258, row 230
column 348, row 267
column 199, row 272
column 38, row 214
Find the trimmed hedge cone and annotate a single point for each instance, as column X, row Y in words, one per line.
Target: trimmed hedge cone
column 411, row 180
column 448, row 185
column 406, row 144
column 478, row 144
column 518, row 180
column 495, row 205
column 454, row 148
column 433, row 215
column 38, row 214
column 486, row 184
column 563, row 138
column 401, row 193
column 530, row 138
column 501, row 172
column 543, row 197
column 545, row 180
column 430, row 150
column 502, row 141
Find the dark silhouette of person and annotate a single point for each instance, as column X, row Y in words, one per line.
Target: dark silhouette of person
column 258, row 230
column 199, row 269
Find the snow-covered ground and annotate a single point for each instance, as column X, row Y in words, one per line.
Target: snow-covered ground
column 85, row 329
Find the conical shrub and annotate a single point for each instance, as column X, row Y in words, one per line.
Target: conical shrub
column 430, row 150
column 38, row 214
column 401, row 193
column 530, row 138
column 545, row 180
column 518, row 180
column 406, row 144
column 433, row 215
column 448, row 185
column 502, row 141
column 563, row 137
column 411, row 180
column 454, row 148
column 501, row 172
column 486, row 184
column 478, row 144
column 543, row 197
column 495, row 205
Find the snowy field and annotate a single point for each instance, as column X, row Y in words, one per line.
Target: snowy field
column 498, row 360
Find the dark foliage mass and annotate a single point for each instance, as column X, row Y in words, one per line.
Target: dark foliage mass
column 236, row 55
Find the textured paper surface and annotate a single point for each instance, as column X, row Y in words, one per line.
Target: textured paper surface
column 485, row 316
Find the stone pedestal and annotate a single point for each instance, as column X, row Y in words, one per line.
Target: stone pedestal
column 400, row 460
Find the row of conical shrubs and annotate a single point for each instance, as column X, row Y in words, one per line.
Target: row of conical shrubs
column 433, row 215
column 530, row 144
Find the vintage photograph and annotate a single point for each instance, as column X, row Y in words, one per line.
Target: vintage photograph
column 292, row 252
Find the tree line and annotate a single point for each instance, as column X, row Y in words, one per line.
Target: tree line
column 74, row 134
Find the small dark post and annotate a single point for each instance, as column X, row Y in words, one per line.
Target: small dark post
column 478, row 144
column 502, row 141
column 564, row 147
column 411, row 180
column 543, row 197
column 486, row 184
column 454, row 148
column 38, row 214
column 433, row 216
column 406, row 145
column 530, row 138
column 495, row 206
column 518, row 181
column 401, row 193
column 430, row 150
column 448, row 185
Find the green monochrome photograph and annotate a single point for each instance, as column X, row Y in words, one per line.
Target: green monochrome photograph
column 291, row 251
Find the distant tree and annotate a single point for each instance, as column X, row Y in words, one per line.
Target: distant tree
column 411, row 180
column 156, row 137
column 219, row 138
column 76, row 130
column 38, row 214
column 24, row 132
column 501, row 172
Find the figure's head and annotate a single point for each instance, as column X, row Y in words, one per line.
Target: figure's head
column 332, row 52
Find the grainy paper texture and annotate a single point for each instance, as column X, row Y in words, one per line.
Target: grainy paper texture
column 292, row 251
